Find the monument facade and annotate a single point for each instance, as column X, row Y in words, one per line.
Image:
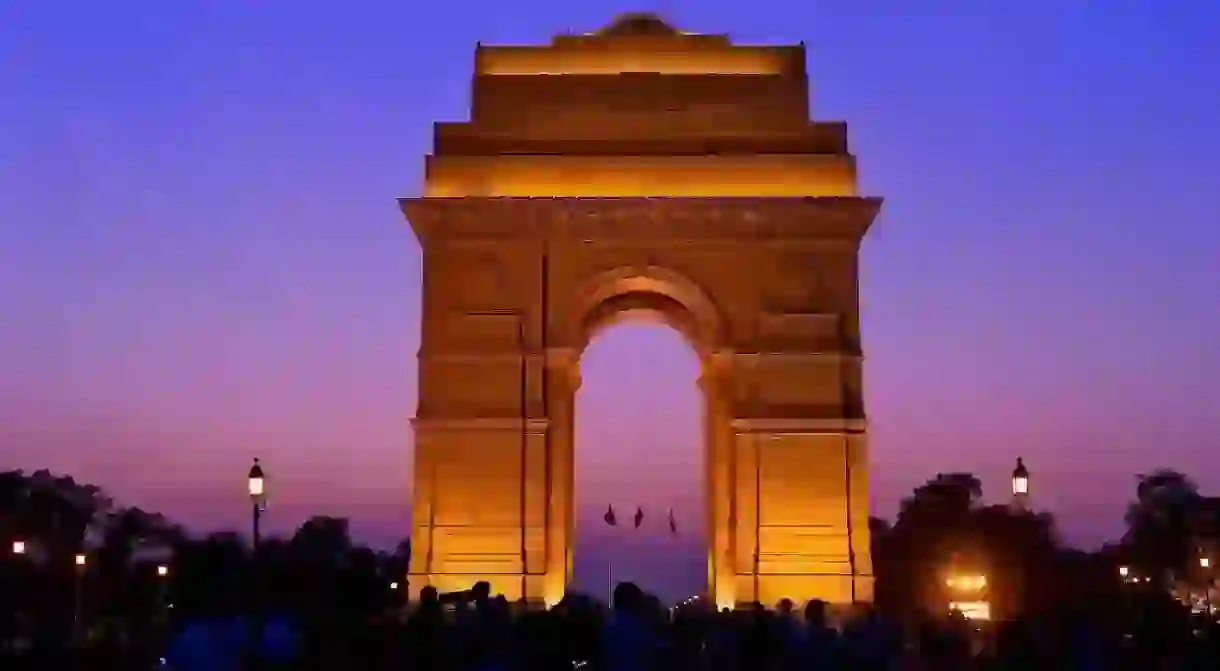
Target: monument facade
column 642, row 171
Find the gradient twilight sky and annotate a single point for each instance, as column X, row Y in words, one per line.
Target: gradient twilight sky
column 201, row 259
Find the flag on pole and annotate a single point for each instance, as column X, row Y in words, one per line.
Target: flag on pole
column 673, row 523
column 639, row 517
column 609, row 516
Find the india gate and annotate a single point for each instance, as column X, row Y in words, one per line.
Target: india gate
column 640, row 170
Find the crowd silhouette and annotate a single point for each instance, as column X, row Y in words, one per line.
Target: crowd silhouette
column 96, row 586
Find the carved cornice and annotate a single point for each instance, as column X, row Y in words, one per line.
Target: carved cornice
column 789, row 426
column 702, row 220
column 478, row 424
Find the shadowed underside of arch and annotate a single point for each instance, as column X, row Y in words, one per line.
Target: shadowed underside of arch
column 652, row 292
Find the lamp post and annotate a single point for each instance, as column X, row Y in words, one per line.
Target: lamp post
column 256, row 483
column 163, row 593
column 1020, row 486
column 15, row 586
column 82, row 561
column 1205, row 563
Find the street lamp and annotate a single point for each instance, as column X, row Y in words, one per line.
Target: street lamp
column 1205, row 563
column 1020, row 484
column 256, row 483
column 257, row 486
column 77, row 592
column 1124, row 571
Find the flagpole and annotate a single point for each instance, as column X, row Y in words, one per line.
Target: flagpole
column 612, row 521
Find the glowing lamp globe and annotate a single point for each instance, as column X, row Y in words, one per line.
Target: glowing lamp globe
column 1020, row 479
column 257, row 482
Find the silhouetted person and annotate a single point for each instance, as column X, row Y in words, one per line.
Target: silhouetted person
column 628, row 643
column 821, row 647
column 429, row 644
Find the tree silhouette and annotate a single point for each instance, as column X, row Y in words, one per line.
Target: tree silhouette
column 1160, row 524
column 942, row 529
column 322, row 539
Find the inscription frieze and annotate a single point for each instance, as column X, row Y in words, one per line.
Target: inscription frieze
column 842, row 219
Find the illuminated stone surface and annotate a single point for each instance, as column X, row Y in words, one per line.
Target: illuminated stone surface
column 640, row 170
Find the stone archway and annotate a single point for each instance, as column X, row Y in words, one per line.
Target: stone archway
column 537, row 229
column 669, row 297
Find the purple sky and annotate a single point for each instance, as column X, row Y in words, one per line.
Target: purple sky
column 201, row 259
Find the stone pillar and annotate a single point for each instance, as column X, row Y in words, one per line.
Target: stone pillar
column 469, row 505
column 714, row 383
column 563, row 381
column 802, row 492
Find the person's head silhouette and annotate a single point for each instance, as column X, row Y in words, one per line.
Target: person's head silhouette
column 815, row 612
column 481, row 591
column 628, row 597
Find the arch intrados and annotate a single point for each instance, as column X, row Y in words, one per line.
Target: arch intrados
column 653, row 293
column 639, row 307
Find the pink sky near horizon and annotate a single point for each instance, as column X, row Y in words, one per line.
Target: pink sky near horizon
column 201, row 258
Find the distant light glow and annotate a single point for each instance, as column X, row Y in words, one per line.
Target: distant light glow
column 18, row 547
column 162, row 570
column 972, row 610
column 80, row 560
column 966, row 582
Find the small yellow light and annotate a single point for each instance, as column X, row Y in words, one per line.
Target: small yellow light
column 1124, row 571
column 80, row 560
column 972, row 610
column 1204, row 562
column 967, row 582
column 18, row 547
column 162, row 570
column 394, row 585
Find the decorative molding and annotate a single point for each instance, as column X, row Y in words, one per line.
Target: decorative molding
column 800, row 426
column 843, row 219
column 478, row 424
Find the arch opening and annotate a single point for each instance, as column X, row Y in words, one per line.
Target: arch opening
column 640, row 443
column 650, row 292
column 670, row 329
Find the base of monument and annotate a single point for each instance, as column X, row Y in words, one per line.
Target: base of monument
column 835, row 590
column 513, row 586
column 769, row 590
